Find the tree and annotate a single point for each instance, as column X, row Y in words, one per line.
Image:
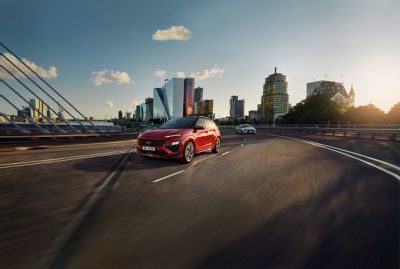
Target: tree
column 394, row 114
column 315, row 109
column 369, row 114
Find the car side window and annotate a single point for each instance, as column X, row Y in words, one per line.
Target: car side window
column 210, row 124
column 201, row 122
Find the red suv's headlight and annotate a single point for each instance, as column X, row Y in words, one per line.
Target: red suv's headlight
column 174, row 135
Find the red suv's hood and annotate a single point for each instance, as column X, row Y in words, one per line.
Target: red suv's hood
column 160, row 133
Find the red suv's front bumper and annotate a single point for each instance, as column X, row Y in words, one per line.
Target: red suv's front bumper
column 162, row 148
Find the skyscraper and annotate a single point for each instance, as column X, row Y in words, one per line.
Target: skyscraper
column 275, row 99
column 160, row 105
column 232, row 102
column 143, row 111
column 149, row 108
column 205, row 108
column 198, row 94
column 39, row 108
column 188, row 98
column 236, row 107
column 253, row 115
column 168, row 100
column 198, row 97
column 137, row 112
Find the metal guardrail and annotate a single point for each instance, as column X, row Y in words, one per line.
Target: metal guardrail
column 340, row 125
column 20, row 140
column 392, row 134
column 11, row 129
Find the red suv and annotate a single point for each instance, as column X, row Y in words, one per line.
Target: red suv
column 182, row 138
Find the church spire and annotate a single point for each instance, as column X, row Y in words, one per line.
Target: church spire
column 352, row 93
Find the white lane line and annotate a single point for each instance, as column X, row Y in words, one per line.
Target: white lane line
column 56, row 160
column 171, row 175
column 61, row 240
column 224, row 153
column 92, row 144
column 62, row 158
column 339, row 151
column 359, row 154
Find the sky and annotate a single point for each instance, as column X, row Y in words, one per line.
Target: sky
column 106, row 55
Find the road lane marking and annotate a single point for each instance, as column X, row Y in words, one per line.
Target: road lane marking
column 171, row 175
column 61, row 158
column 224, row 153
column 64, row 158
column 346, row 151
column 56, row 249
column 56, row 160
column 359, row 154
column 47, row 146
column 92, row 144
column 343, row 152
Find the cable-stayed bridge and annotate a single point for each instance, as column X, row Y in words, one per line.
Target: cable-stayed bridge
column 22, row 84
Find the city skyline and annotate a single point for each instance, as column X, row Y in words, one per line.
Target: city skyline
column 104, row 71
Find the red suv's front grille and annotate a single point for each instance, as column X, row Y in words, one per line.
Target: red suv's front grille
column 151, row 143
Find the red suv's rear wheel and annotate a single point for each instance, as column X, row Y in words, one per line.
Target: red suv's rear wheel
column 217, row 145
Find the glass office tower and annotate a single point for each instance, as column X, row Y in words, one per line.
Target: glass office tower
column 168, row 100
column 198, row 94
column 160, row 106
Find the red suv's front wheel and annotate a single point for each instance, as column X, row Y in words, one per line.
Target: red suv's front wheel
column 188, row 152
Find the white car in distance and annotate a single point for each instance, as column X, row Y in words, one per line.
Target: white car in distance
column 245, row 129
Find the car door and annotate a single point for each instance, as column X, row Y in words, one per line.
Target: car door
column 210, row 125
column 201, row 135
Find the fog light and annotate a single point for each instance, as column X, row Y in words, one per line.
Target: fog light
column 174, row 146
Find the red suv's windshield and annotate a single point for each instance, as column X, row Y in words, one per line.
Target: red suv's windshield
column 181, row 123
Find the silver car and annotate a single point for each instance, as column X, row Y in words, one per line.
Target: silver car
column 245, row 129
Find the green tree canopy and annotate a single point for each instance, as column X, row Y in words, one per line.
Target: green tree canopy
column 394, row 114
column 315, row 109
column 369, row 114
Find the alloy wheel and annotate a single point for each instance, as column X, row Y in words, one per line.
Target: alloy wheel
column 189, row 152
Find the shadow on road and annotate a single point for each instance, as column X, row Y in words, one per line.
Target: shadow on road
column 354, row 223
column 137, row 162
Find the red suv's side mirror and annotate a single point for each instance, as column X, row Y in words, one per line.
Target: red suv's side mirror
column 199, row 127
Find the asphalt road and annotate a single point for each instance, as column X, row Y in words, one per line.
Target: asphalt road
column 262, row 202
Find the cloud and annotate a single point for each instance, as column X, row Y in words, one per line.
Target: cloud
column 180, row 74
column 120, row 77
column 216, row 70
column 100, row 77
column 160, row 73
column 107, row 77
column 179, row 33
column 135, row 102
column 108, row 104
column 208, row 73
column 51, row 73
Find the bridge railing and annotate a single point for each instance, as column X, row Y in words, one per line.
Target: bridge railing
column 12, row 129
column 379, row 132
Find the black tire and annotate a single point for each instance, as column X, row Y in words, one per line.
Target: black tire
column 188, row 152
column 217, row 146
